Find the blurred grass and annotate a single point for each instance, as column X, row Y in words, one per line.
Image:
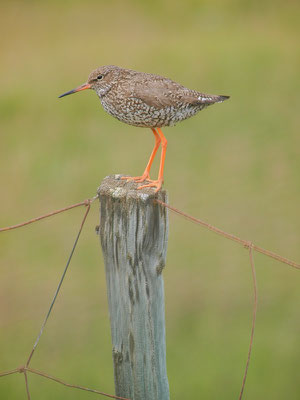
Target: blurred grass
column 236, row 165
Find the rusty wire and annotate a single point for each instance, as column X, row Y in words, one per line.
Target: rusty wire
column 230, row 236
column 87, row 203
column 26, row 384
column 253, row 319
column 59, row 285
column 251, row 247
column 25, row 369
column 30, row 221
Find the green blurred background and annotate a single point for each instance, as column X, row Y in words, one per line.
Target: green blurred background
column 235, row 165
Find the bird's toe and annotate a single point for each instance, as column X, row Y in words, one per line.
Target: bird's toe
column 153, row 184
column 137, row 179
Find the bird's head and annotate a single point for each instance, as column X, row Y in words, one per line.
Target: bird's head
column 101, row 80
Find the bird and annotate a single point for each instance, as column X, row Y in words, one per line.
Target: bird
column 146, row 100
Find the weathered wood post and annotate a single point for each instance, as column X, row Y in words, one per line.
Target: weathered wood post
column 134, row 235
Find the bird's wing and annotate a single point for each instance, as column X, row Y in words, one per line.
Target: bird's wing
column 160, row 92
column 156, row 92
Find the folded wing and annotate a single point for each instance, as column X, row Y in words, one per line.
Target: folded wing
column 160, row 92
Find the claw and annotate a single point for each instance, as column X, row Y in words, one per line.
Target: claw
column 137, row 179
column 156, row 184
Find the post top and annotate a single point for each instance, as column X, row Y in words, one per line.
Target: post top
column 118, row 188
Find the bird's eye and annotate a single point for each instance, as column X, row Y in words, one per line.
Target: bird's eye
column 99, row 77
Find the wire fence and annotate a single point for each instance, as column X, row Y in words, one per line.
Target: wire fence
column 25, row 368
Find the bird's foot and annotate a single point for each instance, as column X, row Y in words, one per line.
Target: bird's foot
column 153, row 183
column 137, row 179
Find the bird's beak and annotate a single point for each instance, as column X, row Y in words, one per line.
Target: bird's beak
column 81, row 87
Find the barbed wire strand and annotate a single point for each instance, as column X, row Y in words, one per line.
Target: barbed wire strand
column 230, row 236
column 60, row 283
column 82, row 203
column 253, row 318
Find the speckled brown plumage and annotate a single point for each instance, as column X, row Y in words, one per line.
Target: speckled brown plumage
column 146, row 100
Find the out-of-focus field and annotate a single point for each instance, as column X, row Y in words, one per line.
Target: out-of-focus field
column 236, row 165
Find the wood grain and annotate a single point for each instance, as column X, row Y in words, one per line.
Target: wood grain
column 134, row 235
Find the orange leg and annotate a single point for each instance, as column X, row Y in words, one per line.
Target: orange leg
column 145, row 175
column 158, row 183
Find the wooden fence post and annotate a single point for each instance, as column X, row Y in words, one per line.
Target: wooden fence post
column 134, row 235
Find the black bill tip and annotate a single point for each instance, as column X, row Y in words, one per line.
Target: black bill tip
column 67, row 93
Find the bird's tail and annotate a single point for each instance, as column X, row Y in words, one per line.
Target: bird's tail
column 222, row 98
column 210, row 99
